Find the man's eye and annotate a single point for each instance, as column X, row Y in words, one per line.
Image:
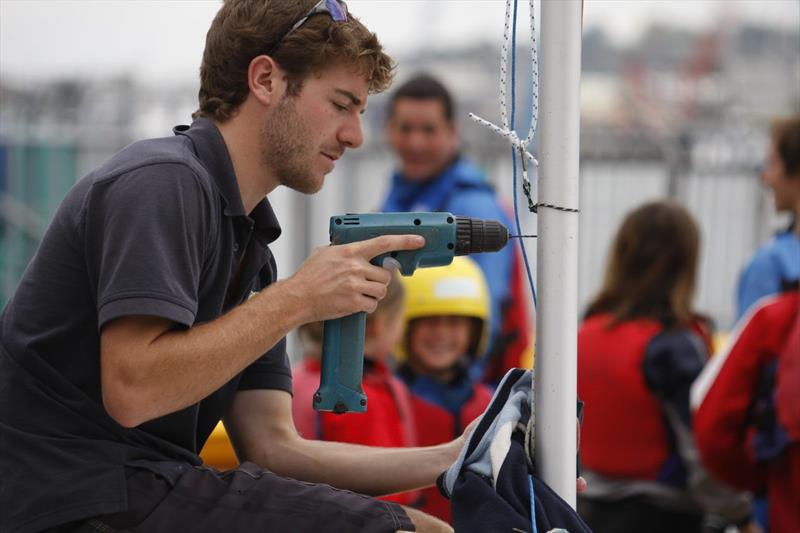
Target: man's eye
column 340, row 107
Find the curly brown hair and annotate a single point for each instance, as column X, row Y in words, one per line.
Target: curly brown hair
column 245, row 29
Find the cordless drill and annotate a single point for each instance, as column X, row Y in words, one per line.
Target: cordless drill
column 445, row 236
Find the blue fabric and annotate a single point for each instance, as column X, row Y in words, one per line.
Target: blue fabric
column 776, row 262
column 672, row 361
column 450, row 396
column 770, row 439
column 480, row 503
column 461, row 189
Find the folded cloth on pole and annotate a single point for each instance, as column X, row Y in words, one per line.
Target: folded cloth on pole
column 490, row 485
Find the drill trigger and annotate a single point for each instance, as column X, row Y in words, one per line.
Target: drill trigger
column 390, row 263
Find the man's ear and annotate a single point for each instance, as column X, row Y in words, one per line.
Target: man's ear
column 266, row 80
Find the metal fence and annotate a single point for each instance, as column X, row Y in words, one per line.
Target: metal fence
column 710, row 168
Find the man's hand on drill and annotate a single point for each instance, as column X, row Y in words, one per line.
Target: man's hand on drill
column 337, row 281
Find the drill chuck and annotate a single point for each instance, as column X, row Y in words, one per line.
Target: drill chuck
column 475, row 235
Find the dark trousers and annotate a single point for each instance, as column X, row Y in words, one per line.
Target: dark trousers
column 246, row 500
column 636, row 515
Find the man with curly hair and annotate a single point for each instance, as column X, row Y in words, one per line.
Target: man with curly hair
column 152, row 309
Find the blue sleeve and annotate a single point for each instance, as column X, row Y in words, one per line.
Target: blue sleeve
column 672, row 361
column 760, row 278
column 497, row 266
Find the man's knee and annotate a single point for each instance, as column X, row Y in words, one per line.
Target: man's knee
column 425, row 523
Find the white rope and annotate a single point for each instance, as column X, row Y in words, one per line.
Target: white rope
column 520, row 147
column 503, row 130
column 530, row 428
column 512, row 136
column 504, row 67
column 535, row 76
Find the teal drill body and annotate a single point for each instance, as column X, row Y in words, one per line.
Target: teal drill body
column 445, row 236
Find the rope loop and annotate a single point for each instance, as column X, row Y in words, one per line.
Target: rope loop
column 504, row 129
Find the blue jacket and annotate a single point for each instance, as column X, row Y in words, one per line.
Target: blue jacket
column 776, row 262
column 461, row 189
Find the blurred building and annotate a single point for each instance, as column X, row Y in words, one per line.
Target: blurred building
column 678, row 115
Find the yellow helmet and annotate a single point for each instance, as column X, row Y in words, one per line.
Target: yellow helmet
column 458, row 289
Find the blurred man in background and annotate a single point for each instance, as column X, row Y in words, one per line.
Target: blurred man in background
column 778, row 261
column 435, row 176
column 775, row 267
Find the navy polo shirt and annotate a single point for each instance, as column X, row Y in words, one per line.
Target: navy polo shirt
column 158, row 230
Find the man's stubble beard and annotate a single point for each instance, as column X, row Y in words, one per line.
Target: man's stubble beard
column 285, row 147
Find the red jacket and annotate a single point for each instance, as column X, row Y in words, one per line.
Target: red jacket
column 305, row 382
column 724, row 396
column 612, row 385
column 388, row 422
column 436, row 425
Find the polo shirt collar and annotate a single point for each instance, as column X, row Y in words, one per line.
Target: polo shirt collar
column 210, row 148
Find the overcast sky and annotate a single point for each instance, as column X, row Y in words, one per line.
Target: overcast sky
column 161, row 39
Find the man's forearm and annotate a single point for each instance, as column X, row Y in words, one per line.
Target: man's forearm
column 155, row 373
column 149, row 369
column 369, row 470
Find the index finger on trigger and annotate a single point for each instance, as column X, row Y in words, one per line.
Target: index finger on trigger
column 389, row 243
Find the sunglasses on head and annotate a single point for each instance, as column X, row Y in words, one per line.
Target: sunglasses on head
column 333, row 8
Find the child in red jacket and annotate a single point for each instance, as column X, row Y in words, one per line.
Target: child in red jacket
column 447, row 313
column 640, row 347
column 389, row 421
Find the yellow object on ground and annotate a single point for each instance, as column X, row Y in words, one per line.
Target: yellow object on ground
column 528, row 356
column 218, row 452
column 719, row 341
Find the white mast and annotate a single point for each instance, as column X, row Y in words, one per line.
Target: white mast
column 557, row 247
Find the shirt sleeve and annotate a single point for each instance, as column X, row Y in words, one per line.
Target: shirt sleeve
column 270, row 371
column 723, row 400
column 146, row 235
